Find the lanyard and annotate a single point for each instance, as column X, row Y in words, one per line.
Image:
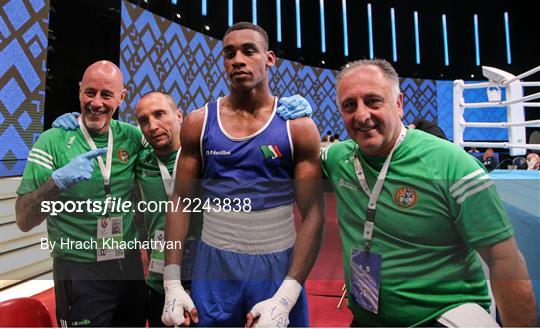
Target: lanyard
column 105, row 169
column 373, row 197
column 168, row 181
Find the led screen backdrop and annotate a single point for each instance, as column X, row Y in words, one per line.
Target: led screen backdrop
column 158, row 54
column 23, row 52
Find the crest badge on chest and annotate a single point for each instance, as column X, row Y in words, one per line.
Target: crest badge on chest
column 405, row 197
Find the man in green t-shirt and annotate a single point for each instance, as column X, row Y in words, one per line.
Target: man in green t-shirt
column 159, row 119
column 413, row 211
column 98, row 281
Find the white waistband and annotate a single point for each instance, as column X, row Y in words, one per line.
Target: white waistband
column 257, row 232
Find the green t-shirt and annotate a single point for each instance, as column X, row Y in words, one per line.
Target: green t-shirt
column 153, row 190
column 437, row 205
column 54, row 149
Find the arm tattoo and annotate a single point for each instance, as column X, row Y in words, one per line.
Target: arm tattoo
column 28, row 206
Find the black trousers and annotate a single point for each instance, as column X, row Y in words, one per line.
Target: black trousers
column 101, row 294
column 156, row 301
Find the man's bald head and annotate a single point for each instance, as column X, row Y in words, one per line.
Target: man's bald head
column 105, row 70
column 101, row 92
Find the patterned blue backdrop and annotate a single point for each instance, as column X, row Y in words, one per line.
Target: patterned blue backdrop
column 158, row 54
column 23, row 51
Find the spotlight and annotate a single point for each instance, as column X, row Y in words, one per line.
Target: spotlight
column 472, row 75
column 207, row 28
column 323, row 62
column 49, row 75
column 145, row 1
column 178, row 15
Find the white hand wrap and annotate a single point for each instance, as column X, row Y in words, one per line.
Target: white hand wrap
column 274, row 312
column 176, row 298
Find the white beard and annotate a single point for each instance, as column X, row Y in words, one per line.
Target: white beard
column 94, row 125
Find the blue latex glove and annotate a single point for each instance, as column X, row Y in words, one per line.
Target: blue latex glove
column 78, row 169
column 67, row 121
column 294, row 107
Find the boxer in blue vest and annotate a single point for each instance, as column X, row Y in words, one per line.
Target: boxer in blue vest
column 252, row 166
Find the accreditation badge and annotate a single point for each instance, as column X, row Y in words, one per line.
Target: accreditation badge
column 157, row 257
column 110, row 233
column 365, row 279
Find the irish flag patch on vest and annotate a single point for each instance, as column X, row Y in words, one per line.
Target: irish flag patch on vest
column 270, row 151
